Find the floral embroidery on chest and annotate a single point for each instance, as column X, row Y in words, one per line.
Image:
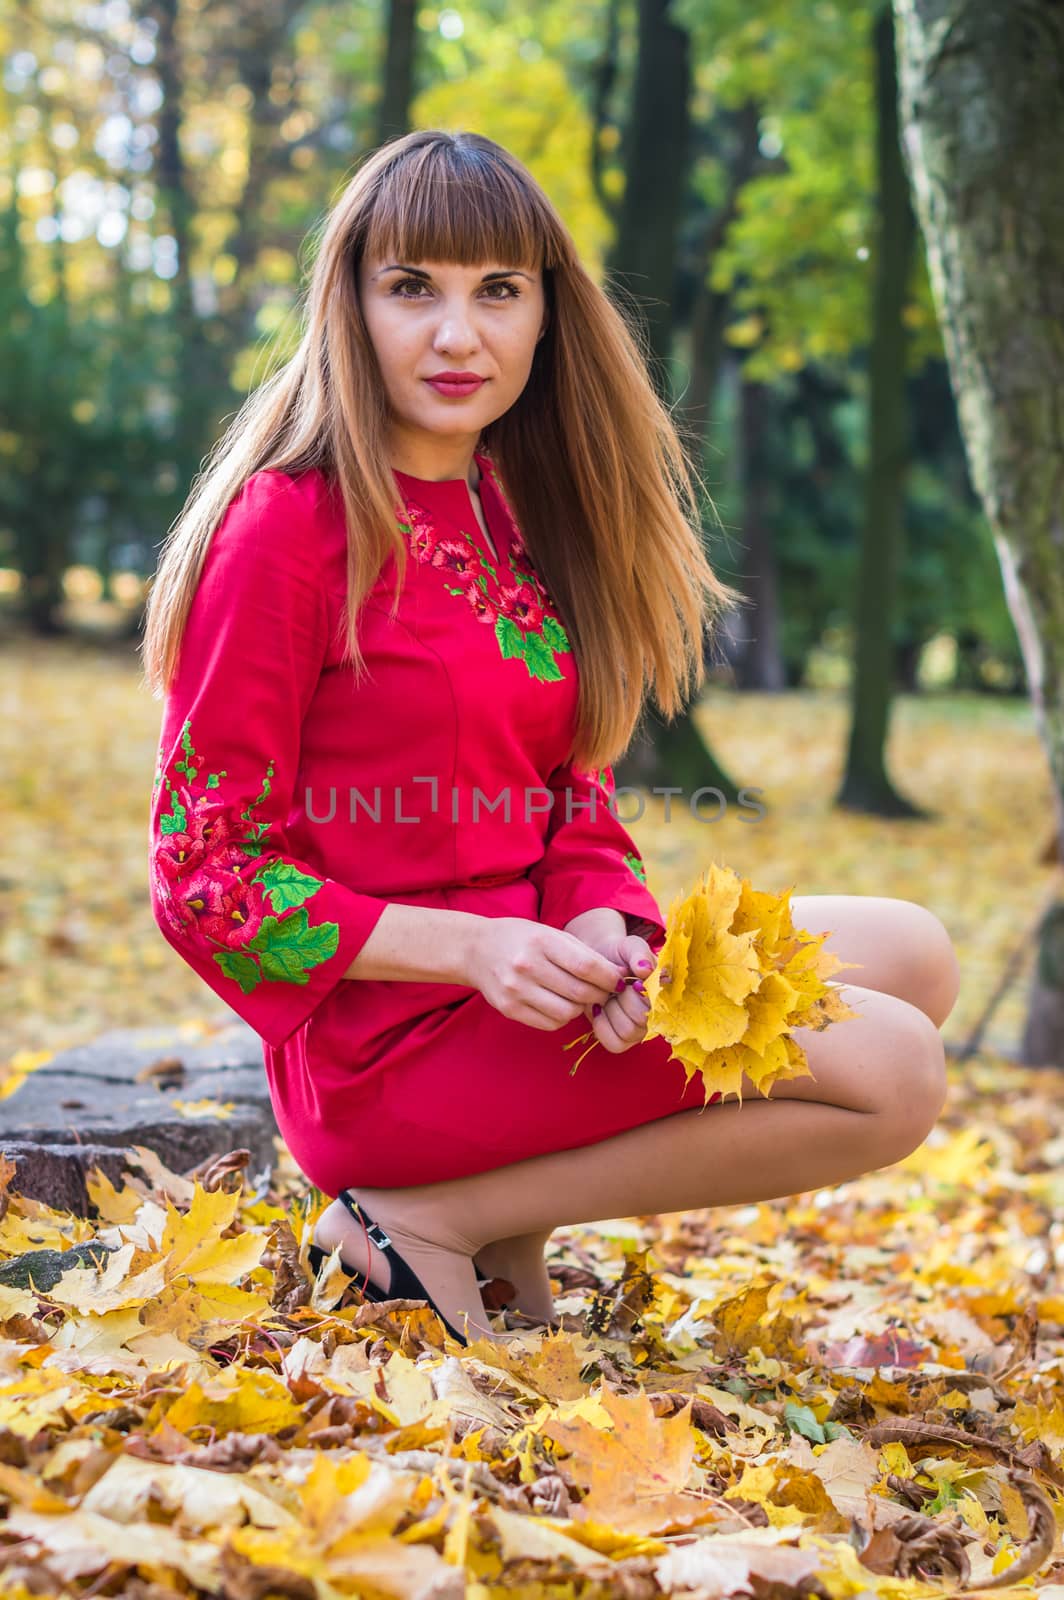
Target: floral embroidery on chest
column 514, row 603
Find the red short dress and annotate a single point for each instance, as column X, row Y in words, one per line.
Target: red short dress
column 291, row 806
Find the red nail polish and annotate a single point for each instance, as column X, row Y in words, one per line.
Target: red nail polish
column 642, row 963
column 595, row 1010
column 639, row 986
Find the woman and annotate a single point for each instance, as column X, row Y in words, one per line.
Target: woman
column 414, row 607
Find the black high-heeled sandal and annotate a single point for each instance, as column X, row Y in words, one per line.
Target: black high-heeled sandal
column 404, row 1283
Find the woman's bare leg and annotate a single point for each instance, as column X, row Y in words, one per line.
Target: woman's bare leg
column 877, row 1088
column 521, row 1259
column 903, row 949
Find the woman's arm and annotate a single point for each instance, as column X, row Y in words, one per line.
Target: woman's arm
column 431, row 944
column 264, row 927
column 421, row 943
column 537, row 975
column 601, row 922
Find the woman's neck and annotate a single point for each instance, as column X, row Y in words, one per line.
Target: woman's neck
column 434, row 466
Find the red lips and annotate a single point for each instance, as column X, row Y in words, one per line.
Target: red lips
column 456, row 384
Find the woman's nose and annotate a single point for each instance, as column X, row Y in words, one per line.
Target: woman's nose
column 455, row 330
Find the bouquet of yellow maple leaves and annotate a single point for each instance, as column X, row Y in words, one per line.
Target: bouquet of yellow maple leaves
column 733, row 978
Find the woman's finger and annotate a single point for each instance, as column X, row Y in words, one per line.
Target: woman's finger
column 634, row 1003
column 605, row 1032
column 581, row 990
column 616, row 1028
column 636, row 950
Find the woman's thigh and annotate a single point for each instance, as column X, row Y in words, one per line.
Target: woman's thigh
column 902, row 948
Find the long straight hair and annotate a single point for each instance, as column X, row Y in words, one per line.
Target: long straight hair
column 588, row 455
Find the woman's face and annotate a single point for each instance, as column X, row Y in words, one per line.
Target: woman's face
column 427, row 318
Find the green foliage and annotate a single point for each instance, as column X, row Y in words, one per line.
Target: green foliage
column 545, row 126
column 800, row 1419
column 811, row 458
column 97, row 432
column 798, row 258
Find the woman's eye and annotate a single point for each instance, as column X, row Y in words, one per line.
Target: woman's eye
column 511, row 291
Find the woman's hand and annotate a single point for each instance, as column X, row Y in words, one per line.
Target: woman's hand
column 536, row 974
column 621, row 1022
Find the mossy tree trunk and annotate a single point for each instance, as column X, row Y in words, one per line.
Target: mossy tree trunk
column 982, row 103
column 642, row 261
column 866, row 785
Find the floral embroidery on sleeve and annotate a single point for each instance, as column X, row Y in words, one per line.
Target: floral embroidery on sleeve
column 604, row 778
column 198, row 873
column 637, row 866
column 515, row 606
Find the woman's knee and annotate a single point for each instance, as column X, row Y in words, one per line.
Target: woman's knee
column 901, row 947
column 932, row 962
column 912, row 1081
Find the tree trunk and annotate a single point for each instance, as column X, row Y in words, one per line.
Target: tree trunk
column 866, row 786
column 673, row 755
column 656, row 151
column 709, row 311
column 982, row 97
column 393, row 109
column 759, row 662
column 604, row 76
column 193, row 362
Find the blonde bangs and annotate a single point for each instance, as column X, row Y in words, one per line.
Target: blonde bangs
column 427, row 207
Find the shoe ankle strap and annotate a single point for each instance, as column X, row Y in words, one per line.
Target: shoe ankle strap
column 373, row 1229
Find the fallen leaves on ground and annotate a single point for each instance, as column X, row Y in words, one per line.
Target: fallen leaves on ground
column 855, row 1392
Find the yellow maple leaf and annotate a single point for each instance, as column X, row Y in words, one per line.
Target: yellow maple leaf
column 734, row 976
column 196, row 1315
column 759, row 1484
column 235, row 1400
column 552, row 1368
column 637, row 1469
column 112, row 1205
column 192, row 1240
column 14, row 1072
column 1037, row 1420
column 108, row 1286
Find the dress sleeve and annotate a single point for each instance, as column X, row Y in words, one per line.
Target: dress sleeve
column 590, row 859
column 268, row 932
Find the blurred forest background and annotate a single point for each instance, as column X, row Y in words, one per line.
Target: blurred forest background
column 727, row 169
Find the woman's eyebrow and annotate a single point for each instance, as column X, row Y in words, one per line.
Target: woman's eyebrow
column 419, row 272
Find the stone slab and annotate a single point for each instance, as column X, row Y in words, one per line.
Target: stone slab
column 90, row 1103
